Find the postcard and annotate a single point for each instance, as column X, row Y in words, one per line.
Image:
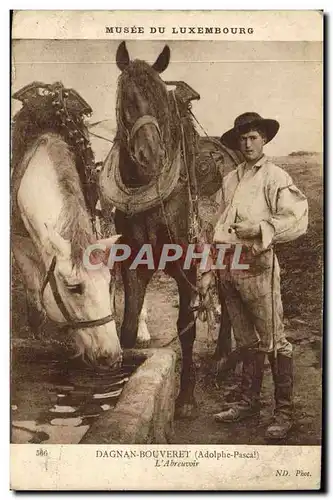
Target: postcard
column 167, row 250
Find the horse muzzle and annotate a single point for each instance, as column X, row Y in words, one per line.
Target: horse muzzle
column 100, row 347
column 105, row 363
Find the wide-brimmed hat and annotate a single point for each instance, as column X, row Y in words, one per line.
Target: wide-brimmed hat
column 245, row 122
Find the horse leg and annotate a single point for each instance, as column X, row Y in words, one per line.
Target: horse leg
column 223, row 346
column 135, row 284
column 224, row 358
column 185, row 404
column 143, row 338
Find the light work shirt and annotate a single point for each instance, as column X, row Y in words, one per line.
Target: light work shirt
column 265, row 195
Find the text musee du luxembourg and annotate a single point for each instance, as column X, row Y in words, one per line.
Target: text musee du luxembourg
column 179, row 30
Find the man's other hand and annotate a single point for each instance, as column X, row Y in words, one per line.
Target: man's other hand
column 246, row 230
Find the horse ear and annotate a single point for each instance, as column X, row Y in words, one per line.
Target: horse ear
column 163, row 60
column 122, row 57
column 108, row 242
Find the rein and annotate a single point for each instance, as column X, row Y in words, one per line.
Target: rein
column 70, row 323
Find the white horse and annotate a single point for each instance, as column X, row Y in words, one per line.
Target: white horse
column 47, row 197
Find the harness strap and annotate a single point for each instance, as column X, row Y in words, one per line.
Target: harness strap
column 89, row 323
column 53, row 284
column 191, row 181
column 144, row 120
column 70, row 323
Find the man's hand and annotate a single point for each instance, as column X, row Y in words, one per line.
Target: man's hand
column 206, row 281
column 204, row 285
column 246, row 230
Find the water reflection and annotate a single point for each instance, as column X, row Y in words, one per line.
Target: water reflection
column 56, row 402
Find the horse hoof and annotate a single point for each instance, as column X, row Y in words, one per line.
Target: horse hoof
column 143, row 337
column 187, row 411
column 220, row 365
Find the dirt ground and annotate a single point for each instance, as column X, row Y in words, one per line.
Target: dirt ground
column 162, row 314
column 301, row 275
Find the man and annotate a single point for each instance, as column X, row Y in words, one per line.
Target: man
column 260, row 207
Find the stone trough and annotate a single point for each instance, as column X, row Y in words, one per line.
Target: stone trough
column 143, row 413
column 145, row 410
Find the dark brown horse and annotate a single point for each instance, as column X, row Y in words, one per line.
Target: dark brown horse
column 150, row 141
column 156, row 168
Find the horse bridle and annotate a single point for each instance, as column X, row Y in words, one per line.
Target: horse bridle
column 139, row 123
column 144, row 120
column 152, row 120
column 70, row 323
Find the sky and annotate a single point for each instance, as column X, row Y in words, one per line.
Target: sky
column 280, row 80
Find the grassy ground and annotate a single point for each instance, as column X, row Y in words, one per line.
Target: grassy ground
column 302, row 260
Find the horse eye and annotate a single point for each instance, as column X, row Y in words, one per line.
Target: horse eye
column 77, row 288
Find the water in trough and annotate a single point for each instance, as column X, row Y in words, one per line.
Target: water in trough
column 53, row 401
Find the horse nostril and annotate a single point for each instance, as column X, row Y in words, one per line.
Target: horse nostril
column 105, row 362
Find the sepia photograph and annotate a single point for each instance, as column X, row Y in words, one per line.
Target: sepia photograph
column 167, row 244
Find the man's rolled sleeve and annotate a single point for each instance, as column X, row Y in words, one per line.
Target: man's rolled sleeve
column 289, row 217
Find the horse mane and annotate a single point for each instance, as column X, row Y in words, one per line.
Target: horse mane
column 74, row 222
column 33, row 128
